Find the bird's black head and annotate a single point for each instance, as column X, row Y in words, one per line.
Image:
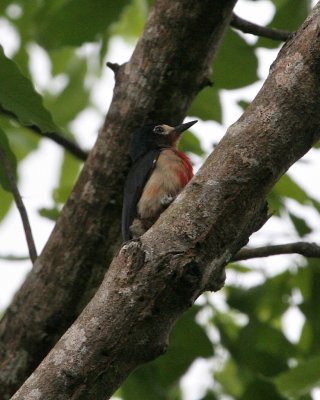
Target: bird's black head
column 155, row 136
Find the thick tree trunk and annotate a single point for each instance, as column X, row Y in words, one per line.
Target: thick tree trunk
column 154, row 279
column 169, row 66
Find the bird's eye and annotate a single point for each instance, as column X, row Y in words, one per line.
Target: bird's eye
column 159, row 129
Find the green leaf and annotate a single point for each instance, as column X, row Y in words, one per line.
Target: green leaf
column 68, row 175
column 63, row 60
column 300, row 224
column 158, row 380
column 261, row 389
column 289, row 15
column 143, row 384
column 302, row 280
column 310, row 305
column 243, row 104
column 301, row 379
column 306, row 338
column 266, row 301
column 189, row 143
column 9, row 158
column 316, row 204
column 75, row 94
column 50, row 213
column 239, row 268
column 3, row 5
column 230, row 379
column 22, row 140
column 207, row 105
column 236, row 64
column 258, row 348
column 275, row 203
column 18, row 97
column 74, row 22
column 277, row 344
column 296, row 10
column 25, row 27
column 130, row 26
column 210, row 395
column 287, row 187
column 6, row 200
column 188, row 341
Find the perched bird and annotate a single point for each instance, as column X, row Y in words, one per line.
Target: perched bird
column 158, row 174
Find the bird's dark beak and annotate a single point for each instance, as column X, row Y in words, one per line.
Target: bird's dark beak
column 183, row 127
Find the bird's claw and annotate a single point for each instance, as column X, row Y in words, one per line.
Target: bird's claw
column 167, row 199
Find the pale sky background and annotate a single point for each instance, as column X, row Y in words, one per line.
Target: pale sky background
column 39, row 176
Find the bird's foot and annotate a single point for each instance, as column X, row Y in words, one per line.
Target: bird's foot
column 137, row 228
column 167, row 200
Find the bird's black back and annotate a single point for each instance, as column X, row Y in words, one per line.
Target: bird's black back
column 133, row 188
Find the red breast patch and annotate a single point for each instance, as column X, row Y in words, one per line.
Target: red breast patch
column 186, row 174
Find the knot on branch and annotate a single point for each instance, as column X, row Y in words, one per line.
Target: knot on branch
column 114, row 67
column 134, row 256
column 206, row 82
column 218, row 280
column 150, row 351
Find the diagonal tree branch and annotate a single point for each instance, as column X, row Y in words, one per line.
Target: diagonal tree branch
column 22, row 210
column 258, row 30
column 302, row 248
column 157, row 84
column 154, row 279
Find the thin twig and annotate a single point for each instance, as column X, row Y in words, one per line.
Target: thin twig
column 258, row 30
column 58, row 138
column 22, row 210
column 303, row 248
column 12, row 257
column 69, row 145
column 113, row 66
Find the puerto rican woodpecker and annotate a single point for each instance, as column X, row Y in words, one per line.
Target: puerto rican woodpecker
column 158, row 173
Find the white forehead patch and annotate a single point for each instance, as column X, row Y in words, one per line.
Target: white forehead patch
column 163, row 129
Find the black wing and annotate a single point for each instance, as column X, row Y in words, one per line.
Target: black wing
column 133, row 188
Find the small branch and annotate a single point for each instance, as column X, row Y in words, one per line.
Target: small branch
column 58, row 138
column 258, row 30
column 11, row 257
column 207, row 82
column 113, row 66
column 69, row 145
column 303, row 248
column 22, row 210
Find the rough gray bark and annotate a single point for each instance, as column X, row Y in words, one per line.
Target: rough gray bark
column 153, row 280
column 169, row 66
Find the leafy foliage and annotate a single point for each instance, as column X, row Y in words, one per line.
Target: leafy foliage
column 15, row 89
column 75, row 22
column 251, row 353
column 5, row 148
column 298, row 11
column 152, row 382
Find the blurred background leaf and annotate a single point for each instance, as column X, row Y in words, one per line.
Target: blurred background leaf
column 72, row 23
column 236, row 64
column 7, row 161
column 24, row 102
column 159, row 380
column 298, row 11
